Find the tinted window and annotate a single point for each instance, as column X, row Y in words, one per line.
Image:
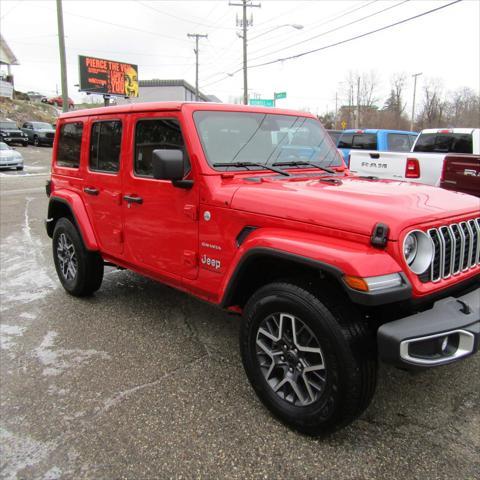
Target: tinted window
column 69, row 145
column 444, row 142
column 345, row 140
column 365, row 141
column 151, row 135
column 398, row 142
column 412, row 140
column 105, row 143
column 229, row 137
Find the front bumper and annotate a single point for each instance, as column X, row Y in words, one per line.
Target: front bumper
column 448, row 332
column 15, row 139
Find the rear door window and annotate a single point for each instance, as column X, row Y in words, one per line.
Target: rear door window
column 105, row 141
column 70, row 145
column 364, row 141
column 398, row 142
column 444, row 143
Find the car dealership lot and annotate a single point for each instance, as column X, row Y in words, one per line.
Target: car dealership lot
column 141, row 381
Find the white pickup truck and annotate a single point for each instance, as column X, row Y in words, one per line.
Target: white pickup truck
column 425, row 162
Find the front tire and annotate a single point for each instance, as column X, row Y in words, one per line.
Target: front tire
column 80, row 271
column 36, row 141
column 313, row 370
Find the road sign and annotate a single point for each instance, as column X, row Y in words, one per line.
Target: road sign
column 344, row 124
column 280, row 95
column 262, row 102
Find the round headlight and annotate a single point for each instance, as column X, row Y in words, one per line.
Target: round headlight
column 418, row 251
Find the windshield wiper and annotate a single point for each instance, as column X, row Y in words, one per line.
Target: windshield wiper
column 252, row 164
column 299, row 163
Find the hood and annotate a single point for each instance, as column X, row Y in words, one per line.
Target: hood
column 354, row 204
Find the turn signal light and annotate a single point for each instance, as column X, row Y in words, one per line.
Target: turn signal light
column 412, row 170
column 356, row 283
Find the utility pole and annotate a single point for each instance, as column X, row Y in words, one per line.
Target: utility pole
column 413, row 103
column 336, row 109
column 245, row 24
column 63, row 62
column 196, row 36
column 357, row 118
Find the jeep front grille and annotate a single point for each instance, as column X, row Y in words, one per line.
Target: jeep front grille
column 456, row 249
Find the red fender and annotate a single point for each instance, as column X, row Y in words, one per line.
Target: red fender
column 79, row 212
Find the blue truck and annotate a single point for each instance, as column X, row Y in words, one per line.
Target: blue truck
column 375, row 139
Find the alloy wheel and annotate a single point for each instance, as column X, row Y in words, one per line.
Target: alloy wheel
column 290, row 358
column 67, row 257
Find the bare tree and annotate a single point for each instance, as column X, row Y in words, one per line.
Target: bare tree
column 463, row 108
column 433, row 109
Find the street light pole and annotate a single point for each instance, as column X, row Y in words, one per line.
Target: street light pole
column 413, row 103
column 63, row 62
column 245, row 24
column 196, row 36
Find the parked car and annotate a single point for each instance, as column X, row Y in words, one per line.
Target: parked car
column 375, row 139
column 10, row 133
column 10, row 158
column 39, row 133
column 58, row 102
column 335, row 135
column 250, row 209
column 461, row 174
column 426, row 161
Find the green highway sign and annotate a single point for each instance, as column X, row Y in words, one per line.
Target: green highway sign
column 261, row 102
column 280, row 95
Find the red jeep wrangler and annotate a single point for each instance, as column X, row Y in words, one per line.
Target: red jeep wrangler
column 253, row 210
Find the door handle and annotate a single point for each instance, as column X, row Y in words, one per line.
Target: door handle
column 91, row 191
column 132, row 199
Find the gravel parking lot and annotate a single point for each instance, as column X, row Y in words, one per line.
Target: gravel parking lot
column 141, row 382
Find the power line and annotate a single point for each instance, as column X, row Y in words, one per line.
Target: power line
column 168, row 14
column 336, row 16
column 341, row 42
column 334, row 29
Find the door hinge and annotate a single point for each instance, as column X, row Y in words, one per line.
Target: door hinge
column 191, row 212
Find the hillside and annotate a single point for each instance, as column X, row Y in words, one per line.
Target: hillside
column 22, row 111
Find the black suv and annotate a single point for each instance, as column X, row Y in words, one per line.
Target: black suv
column 10, row 133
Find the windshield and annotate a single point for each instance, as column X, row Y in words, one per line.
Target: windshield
column 43, row 125
column 4, row 146
column 8, row 125
column 231, row 137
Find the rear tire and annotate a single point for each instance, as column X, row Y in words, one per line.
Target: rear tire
column 80, row 271
column 324, row 367
column 36, row 141
column 19, row 168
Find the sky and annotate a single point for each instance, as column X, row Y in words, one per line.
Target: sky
column 444, row 45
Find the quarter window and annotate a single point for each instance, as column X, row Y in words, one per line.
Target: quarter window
column 153, row 135
column 69, row 145
column 105, row 141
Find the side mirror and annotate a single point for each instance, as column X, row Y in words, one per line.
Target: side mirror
column 169, row 165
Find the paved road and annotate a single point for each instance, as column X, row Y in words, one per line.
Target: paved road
column 143, row 382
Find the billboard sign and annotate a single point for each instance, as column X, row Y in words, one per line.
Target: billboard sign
column 108, row 77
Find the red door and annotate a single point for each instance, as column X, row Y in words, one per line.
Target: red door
column 103, row 182
column 160, row 220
